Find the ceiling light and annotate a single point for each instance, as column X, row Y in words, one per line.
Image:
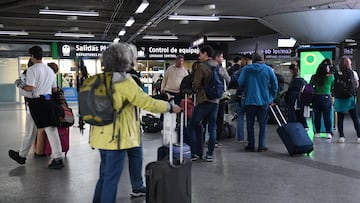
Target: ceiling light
column 209, row 7
column 160, row 37
column 183, row 22
column 199, row 18
column 68, row 13
column 220, row 39
column 286, row 42
column 198, row 42
column 142, row 6
column 130, row 22
column 122, row 32
column 4, row 32
column 116, row 40
column 72, row 18
column 349, row 40
column 77, row 35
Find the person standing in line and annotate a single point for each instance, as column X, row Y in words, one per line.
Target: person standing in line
column 235, row 67
column 295, row 109
column 41, row 81
column 219, row 58
column 260, row 85
column 205, row 108
column 323, row 81
column 239, row 95
column 342, row 105
column 173, row 77
column 122, row 137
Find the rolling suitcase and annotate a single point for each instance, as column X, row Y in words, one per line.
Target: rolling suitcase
column 293, row 134
column 169, row 180
column 64, row 140
column 163, row 151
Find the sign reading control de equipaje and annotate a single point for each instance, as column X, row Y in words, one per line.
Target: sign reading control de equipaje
column 87, row 50
column 167, row 51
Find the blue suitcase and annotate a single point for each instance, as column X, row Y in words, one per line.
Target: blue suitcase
column 293, row 135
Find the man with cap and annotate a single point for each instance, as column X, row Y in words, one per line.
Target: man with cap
column 260, row 86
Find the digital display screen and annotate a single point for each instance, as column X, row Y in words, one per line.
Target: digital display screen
column 310, row 60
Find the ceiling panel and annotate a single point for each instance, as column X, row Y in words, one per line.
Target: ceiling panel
column 23, row 15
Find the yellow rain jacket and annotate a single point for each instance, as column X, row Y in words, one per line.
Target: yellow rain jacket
column 126, row 132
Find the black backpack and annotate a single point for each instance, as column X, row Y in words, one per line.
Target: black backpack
column 151, row 124
column 344, row 86
column 186, row 85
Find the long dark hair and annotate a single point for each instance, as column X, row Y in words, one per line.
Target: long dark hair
column 321, row 74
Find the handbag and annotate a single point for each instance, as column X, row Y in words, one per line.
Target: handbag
column 67, row 119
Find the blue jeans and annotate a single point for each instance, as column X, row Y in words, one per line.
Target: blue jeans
column 261, row 112
column 240, row 121
column 322, row 107
column 355, row 118
column 111, row 166
column 135, row 157
column 295, row 115
column 202, row 111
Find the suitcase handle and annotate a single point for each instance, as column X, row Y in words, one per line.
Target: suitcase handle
column 278, row 111
column 171, row 148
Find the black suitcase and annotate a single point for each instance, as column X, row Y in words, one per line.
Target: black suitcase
column 169, row 180
column 293, row 134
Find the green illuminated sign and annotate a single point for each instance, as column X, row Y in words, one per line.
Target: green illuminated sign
column 310, row 60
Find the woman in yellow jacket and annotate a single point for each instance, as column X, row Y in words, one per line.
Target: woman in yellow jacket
column 114, row 142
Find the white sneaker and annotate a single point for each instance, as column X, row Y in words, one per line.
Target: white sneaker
column 328, row 135
column 341, row 140
column 358, row 140
column 317, row 135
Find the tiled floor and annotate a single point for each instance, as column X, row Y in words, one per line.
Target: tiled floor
column 330, row 174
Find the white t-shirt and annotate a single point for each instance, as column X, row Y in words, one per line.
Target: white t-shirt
column 41, row 77
column 356, row 76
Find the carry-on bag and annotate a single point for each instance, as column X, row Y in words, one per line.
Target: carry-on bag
column 64, row 140
column 293, row 134
column 39, row 144
column 169, row 128
column 169, row 180
column 163, row 151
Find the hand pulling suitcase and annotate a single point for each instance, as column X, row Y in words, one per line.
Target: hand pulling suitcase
column 293, row 134
column 168, row 180
column 64, row 140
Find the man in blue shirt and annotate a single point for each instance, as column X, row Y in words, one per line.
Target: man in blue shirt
column 260, row 85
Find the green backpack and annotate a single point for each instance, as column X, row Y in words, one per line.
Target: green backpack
column 95, row 100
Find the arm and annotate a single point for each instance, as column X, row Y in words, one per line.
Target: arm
column 137, row 97
column 28, row 88
column 356, row 79
column 241, row 80
column 164, row 81
column 273, row 85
